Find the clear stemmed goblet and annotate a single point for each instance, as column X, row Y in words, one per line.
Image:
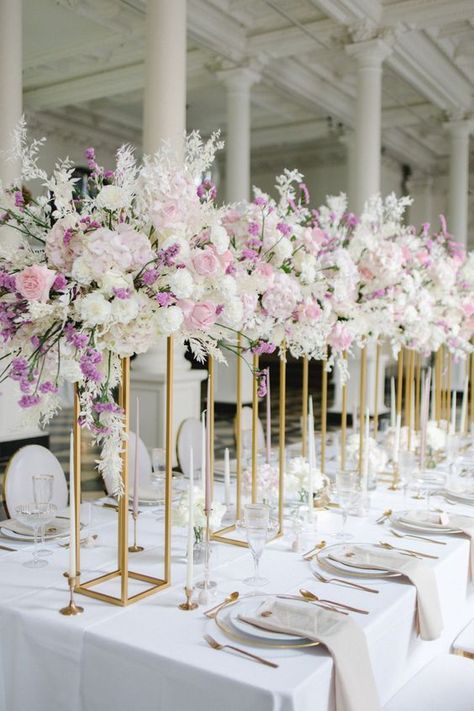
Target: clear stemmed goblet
column 347, row 485
column 34, row 516
column 42, row 494
column 257, row 527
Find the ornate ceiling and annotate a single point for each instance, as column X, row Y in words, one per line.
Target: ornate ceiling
column 83, row 69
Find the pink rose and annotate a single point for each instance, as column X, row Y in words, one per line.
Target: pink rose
column 205, row 262
column 198, row 316
column 340, row 338
column 266, row 271
column 35, row 282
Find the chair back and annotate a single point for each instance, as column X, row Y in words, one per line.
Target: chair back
column 189, row 435
column 18, row 484
column 144, row 464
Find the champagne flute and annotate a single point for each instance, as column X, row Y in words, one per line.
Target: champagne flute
column 347, row 484
column 406, row 467
column 42, row 494
column 35, row 516
column 257, row 524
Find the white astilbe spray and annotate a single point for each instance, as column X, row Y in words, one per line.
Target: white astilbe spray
column 26, row 152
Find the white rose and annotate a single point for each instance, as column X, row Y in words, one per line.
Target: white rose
column 219, row 238
column 181, row 283
column 282, row 250
column 228, row 285
column 71, row 370
column 168, row 320
column 81, row 271
column 114, row 280
column 124, row 310
column 233, row 313
column 94, row 309
column 111, row 197
column 181, row 242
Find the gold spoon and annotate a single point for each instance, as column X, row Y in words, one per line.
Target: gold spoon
column 308, row 595
column 311, row 553
column 231, row 598
column 386, row 514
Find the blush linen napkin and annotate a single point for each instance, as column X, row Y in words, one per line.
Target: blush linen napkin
column 345, row 640
column 439, row 521
column 418, row 572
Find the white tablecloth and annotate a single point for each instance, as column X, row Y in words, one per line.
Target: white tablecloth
column 151, row 655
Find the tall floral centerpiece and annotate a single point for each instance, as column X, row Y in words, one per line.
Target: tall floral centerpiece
column 99, row 277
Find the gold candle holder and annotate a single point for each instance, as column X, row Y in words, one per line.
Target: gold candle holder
column 121, row 571
column 221, row 535
column 188, row 604
column 71, row 609
column 135, row 548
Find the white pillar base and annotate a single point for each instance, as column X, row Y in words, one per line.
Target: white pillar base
column 225, row 384
column 150, row 387
column 12, row 416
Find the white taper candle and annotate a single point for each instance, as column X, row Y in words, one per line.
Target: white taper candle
column 190, row 547
column 72, row 499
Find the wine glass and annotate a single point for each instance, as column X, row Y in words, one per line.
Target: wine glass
column 35, row 516
column 158, row 464
column 257, row 524
column 347, row 485
column 42, row 494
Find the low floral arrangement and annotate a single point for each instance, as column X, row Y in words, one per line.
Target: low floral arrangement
column 297, row 479
column 181, row 513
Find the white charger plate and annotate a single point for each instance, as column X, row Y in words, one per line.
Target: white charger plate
column 255, row 636
column 62, row 526
column 323, row 559
column 249, row 608
column 397, row 519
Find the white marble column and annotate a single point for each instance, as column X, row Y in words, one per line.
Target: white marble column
column 458, row 178
column 165, row 74
column 164, row 118
column 238, row 83
column 11, row 415
column 11, row 62
column 348, row 140
column 369, row 57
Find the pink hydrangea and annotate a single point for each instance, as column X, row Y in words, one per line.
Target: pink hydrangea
column 340, row 337
column 280, row 300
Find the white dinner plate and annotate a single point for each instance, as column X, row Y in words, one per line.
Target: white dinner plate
column 255, row 636
column 15, row 530
column 250, row 607
column 418, row 524
column 324, row 558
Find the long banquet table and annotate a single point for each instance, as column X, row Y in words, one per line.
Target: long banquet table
column 152, row 656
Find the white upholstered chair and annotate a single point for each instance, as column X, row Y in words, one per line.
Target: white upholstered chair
column 18, row 484
column 464, row 643
column 445, row 684
column 189, row 435
column 144, row 461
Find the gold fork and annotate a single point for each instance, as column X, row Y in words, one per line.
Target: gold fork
column 216, row 645
column 408, row 551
